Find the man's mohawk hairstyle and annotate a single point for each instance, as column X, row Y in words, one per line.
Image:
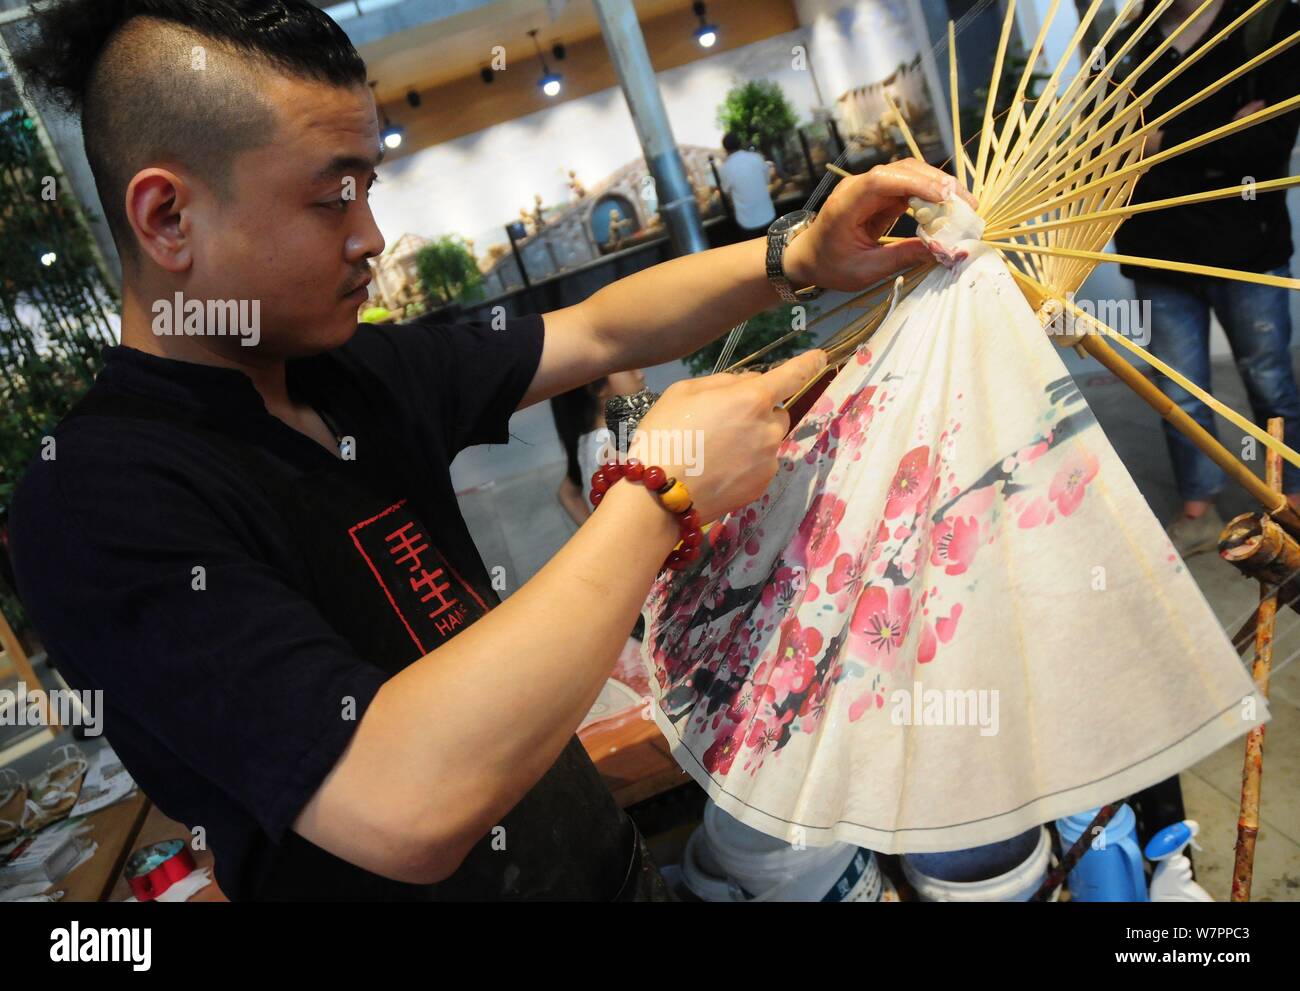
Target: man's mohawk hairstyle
column 294, row 35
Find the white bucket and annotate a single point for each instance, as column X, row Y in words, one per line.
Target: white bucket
column 729, row 861
column 1015, row 885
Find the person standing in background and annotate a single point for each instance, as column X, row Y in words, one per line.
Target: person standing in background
column 1248, row 233
column 745, row 179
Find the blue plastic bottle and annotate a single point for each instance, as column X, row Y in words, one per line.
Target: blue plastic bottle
column 1112, row 870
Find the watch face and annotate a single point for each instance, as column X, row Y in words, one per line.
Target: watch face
column 791, row 220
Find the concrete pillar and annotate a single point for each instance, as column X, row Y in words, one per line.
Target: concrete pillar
column 636, row 76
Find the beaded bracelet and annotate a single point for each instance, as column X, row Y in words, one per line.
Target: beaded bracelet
column 672, row 493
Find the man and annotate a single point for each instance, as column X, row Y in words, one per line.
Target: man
column 255, row 551
column 1248, row 233
column 745, row 179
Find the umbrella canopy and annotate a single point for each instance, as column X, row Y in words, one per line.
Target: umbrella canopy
column 952, row 616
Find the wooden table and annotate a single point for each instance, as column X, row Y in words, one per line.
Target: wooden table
column 114, row 829
column 156, row 828
column 634, row 760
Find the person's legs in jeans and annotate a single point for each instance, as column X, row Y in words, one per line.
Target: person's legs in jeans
column 1257, row 320
column 1180, row 337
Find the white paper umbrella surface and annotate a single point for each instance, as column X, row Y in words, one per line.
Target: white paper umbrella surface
column 952, row 616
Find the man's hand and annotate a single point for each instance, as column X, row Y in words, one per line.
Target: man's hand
column 842, row 251
column 1253, row 107
column 735, row 427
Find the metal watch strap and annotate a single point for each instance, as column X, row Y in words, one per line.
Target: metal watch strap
column 777, row 242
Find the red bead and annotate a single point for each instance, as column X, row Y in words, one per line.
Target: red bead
column 599, row 483
column 596, row 497
column 634, row 470
column 692, row 538
column 688, row 554
column 690, row 519
column 655, row 478
column 614, row 472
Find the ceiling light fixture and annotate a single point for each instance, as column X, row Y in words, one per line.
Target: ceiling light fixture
column 706, row 34
column 551, row 82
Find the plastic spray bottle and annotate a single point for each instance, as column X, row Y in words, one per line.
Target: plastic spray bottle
column 1172, row 881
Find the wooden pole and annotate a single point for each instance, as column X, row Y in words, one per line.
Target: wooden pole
column 1253, row 769
column 1272, row 500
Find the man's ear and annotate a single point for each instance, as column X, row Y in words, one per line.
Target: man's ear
column 156, row 207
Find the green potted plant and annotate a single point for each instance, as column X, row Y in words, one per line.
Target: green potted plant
column 449, row 272
column 759, row 114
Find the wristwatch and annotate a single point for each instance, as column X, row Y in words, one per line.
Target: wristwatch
column 779, row 235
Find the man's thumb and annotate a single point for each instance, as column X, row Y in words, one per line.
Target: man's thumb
column 789, row 377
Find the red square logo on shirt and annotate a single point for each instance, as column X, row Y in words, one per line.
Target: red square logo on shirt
column 429, row 596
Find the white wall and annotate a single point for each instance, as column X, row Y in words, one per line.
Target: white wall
column 475, row 184
column 856, row 42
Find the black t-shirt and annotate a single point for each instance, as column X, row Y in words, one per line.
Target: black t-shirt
column 239, row 594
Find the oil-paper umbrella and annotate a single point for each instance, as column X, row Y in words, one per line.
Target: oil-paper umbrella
column 952, row 616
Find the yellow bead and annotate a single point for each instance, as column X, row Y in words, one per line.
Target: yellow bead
column 676, row 499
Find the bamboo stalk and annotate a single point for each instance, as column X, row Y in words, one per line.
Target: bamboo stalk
column 1274, row 503
column 1253, row 769
column 1257, row 547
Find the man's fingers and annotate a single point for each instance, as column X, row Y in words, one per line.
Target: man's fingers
column 786, row 379
column 896, row 256
column 724, row 378
column 909, row 177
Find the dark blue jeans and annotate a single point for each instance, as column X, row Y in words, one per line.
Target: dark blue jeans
column 1257, row 320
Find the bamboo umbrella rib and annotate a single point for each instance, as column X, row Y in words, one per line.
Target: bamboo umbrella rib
column 1223, row 193
column 1227, row 412
column 1048, row 104
column 1027, row 143
column 1208, row 91
column 959, row 155
column 902, row 126
column 1056, row 160
column 969, row 165
column 1258, row 278
column 1191, row 144
column 986, row 132
column 1043, row 143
